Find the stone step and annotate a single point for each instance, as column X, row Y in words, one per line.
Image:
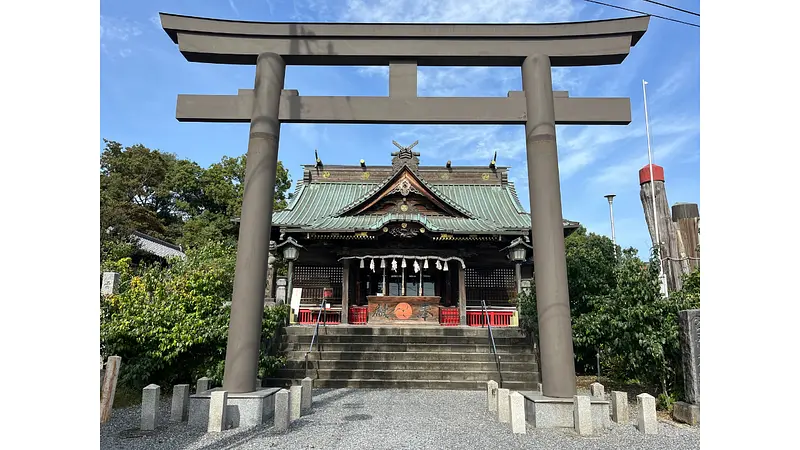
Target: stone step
column 403, row 339
column 403, row 384
column 363, row 374
column 422, row 366
column 405, row 348
column 406, row 330
column 402, row 356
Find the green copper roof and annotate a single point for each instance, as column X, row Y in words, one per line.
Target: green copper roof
column 493, row 209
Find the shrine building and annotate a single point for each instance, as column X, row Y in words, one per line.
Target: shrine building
column 406, row 243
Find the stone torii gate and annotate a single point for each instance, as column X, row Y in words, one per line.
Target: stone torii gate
column 270, row 46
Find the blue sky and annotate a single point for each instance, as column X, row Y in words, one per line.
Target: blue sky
column 142, row 73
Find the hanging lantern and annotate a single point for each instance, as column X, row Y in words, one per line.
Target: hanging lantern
column 372, row 265
column 383, row 263
column 404, row 263
column 416, row 267
column 426, row 264
column 362, row 264
column 445, row 266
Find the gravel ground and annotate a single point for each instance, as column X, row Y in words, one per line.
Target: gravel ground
column 389, row 418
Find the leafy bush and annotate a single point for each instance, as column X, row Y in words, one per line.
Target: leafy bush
column 638, row 327
column 170, row 324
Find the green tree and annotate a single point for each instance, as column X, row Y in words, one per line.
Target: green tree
column 170, row 198
column 169, row 324
column 636, row 327
column 591, row 259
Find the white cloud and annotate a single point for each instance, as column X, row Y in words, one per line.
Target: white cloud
column 113, row 29
column 233, row 7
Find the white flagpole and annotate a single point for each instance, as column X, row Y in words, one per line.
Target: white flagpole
column 653, row 191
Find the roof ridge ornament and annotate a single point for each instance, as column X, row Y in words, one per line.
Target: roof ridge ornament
column 405, row 157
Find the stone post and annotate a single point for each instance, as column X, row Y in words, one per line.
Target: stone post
column 281, row 416
column 306, row 394
column 218, row 412
column 150, row 408
column 619, row 407
column 549, row 258
column 582, row 414
column 597, row 390
column 295, row 402
column 646, row 421
column 180, row 403
column 689, row 411
column 517, row 406
column 110, row 284
column 491, row 395
column 203, row 384
column 247, row 307
column 503, row 406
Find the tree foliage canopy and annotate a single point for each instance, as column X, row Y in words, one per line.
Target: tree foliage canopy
column 617, row 308
column 171, row 323
column 170, row 198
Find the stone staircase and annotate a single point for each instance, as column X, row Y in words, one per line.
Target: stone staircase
column 406, row 357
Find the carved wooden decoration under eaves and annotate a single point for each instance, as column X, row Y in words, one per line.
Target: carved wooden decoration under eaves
column 405, row 190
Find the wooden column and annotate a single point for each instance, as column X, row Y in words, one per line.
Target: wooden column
column 345, row 290
column 462, row 296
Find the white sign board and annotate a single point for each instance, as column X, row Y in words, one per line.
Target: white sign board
column 295, row 302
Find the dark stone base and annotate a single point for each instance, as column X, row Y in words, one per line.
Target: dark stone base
column 686, row 413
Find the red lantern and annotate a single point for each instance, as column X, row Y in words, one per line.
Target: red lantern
column 327, row 293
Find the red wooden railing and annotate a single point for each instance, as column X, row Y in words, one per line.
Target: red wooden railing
column 358, row 315
column 448, row 317
column 496, row 318
column 308, row 316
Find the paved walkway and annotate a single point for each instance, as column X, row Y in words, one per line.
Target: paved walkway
column 388, row 419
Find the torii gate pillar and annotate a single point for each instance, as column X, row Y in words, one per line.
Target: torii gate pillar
column 247, row 306
column 549, row 258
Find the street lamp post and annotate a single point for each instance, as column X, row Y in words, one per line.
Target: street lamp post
column 610, row 198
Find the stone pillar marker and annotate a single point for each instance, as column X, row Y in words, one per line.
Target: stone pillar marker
column 295, row 400
column 203, row 384
column 517, row 402
column 491, row 395
column 218, row 412
column 647, row 422
column 549, row 257
column 281, row 416
column 689, row 411
column 305, row 396
column 619, row 407
column 597, row 390
column 150, row 411
column 503, row 406
column 180, row 403
column 110, row 284
column 582, row 415
column 247, row 306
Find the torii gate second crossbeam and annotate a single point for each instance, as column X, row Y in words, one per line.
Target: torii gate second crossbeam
column 403, row 47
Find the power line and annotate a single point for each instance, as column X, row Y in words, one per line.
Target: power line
column 672, row 7
column 647, row 14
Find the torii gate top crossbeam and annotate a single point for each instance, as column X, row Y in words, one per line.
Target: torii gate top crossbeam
column 364, row 44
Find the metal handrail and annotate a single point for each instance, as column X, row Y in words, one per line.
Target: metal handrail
column 491, row 338
column 314, row 336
